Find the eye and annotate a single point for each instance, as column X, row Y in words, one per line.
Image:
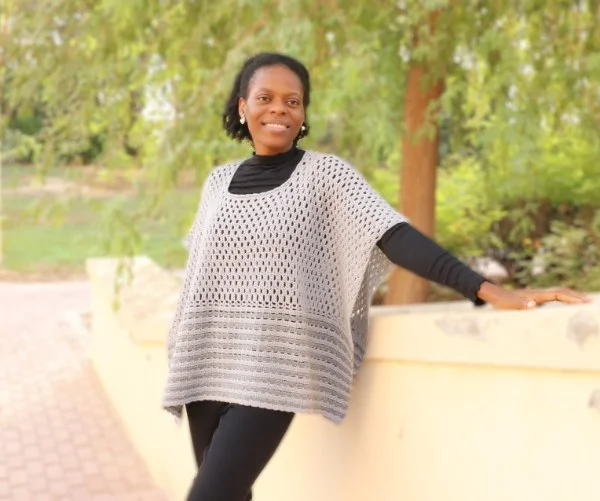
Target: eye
column 263, row 99
column 294, row 102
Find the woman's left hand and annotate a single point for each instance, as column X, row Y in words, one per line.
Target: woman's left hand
column 526, row 299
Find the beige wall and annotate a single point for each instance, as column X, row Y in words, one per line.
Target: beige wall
column 452, row 403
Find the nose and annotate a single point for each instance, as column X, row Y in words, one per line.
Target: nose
column 278, row 107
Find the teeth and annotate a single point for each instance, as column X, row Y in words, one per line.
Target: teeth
column 276, row 126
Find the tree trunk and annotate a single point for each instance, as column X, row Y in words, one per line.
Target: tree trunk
column 420, row 147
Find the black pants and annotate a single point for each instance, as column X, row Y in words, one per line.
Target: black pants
column 232, row 444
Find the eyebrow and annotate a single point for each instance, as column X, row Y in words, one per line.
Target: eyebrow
column 264, row 89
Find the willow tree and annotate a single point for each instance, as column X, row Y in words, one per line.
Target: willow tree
column 517, row 87
column 506, row 82
column 420, row 143
column 149, row 79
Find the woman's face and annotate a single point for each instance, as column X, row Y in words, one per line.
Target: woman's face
column 274, row 109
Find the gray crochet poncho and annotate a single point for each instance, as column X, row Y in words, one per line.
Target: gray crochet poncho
column 274, row 307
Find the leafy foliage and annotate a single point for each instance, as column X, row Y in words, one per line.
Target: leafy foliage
column 139, row 85
column 570, row 254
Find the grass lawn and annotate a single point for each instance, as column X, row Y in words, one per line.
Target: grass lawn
column 45, row 235
column 47, row 238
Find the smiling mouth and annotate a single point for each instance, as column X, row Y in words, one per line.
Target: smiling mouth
column 272, row 125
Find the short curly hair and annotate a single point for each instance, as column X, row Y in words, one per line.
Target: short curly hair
column 231, row 118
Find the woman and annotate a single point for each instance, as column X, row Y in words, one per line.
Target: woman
column 284, row 254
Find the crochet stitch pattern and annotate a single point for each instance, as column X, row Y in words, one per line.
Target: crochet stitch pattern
column 274, row 306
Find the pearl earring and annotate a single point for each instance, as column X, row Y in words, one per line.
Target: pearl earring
column 242, row 119
column 303, row 128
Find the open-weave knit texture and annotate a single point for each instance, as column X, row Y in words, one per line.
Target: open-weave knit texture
column 274, row 307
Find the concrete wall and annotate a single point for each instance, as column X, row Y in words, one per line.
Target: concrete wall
column 452, row 403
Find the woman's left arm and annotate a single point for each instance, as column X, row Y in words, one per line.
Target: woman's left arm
column 407, row 247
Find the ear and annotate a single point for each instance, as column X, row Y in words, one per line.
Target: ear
column 242, row 106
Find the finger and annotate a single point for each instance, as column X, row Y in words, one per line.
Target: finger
column 562, row 295
column 584, row 297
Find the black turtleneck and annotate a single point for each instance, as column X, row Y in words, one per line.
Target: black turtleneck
column 403, row 244
column 264, row 172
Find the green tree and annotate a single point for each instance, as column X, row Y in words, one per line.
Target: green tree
column 514, row 87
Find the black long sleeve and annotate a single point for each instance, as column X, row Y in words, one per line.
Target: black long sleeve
column 407, row 247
